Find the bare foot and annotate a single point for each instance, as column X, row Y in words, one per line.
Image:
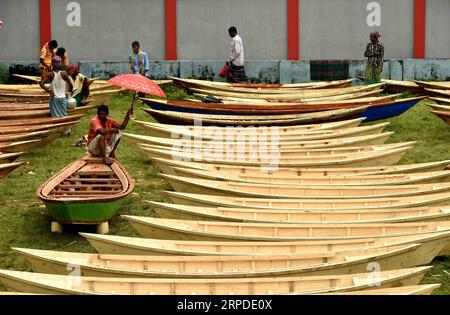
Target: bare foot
column 108, row 161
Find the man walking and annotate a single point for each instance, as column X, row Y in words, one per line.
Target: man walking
column 375, row 54
column 236, row 72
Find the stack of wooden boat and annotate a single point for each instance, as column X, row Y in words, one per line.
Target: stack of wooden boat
column 440, row 107
column 277, row 104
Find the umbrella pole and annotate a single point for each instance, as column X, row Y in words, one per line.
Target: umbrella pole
column 132, row 103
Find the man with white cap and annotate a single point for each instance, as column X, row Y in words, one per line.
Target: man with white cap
column 375, row 54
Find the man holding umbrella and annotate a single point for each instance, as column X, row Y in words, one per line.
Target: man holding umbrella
column 104, row 134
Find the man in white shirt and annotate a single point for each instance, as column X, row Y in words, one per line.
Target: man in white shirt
column 236, row 72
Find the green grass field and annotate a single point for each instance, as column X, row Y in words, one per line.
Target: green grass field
column 24, row 221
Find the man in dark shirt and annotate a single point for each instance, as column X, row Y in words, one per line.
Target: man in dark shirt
column 375, row 54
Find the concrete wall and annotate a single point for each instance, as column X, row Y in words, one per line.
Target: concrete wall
column 19, row 37
column 108, row 27
column 438, row 26
column 338, row 29
column 202, row 28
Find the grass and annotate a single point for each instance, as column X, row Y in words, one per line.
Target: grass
column 24, row 221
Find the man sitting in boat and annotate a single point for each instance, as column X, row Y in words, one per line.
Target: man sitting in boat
column 80, row 84
column 104, row 134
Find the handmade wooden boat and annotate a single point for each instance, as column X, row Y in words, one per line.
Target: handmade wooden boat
column 250, row 152
column 425, row 289
column 376, row 111
column 39, row 121
column 171, row 131
column 397, row 86
column 438, row 107
column 369, row 140
column 9, row 157
column 438, row 199
column 443, row 85
column 37, row 79
column 369, row 96
column 122, row 245
column 166, row 165
column 262, row 108
column 42, row 134
column 385, row 157
column 211, row 267
column 27, row 114
column 184, row 83
column 248, row 215
column 86, row 192
column 6, row 168
column 237, row 231
column 343, row 180
column 282, row 93
column 438, row 92
column 439, row 100
column 96, row 97
column 23, row 281
column 180, row 118
column 22, row 106
column 21, row 146
column 444, row 115
column 12, row 130
column 253, row 135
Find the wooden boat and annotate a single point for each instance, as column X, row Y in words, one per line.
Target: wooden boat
column 443, row 85
column 39, row 121
column 180, row 118
column 438, row 92
column 58, row 284
column 250, row 152
column 211, row 267
column 237, row 231
column 23, row 106
column 86, row 192
column 168, row 131
column 185, row 83
column 438, row 107
column 385, row 157
column 442, row 101
column 369, row 140
column 264, row 177
column 367, row 96
column 26, row 114
column 122, row 245
column 281, row 93
column 37, row 79
column 9, row 157
column 166, row 165
column 42, row 134
column 11, row 130
column 249, row 215
column 376, row 111
column 425, row 289
column 397, row 86
column 6, row 168
column 96, row 97
column 444, row 115
column 438, row 199
column 20, row 146
column 252, row 134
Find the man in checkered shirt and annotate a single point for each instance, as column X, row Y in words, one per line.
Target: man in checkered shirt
column 375, row 54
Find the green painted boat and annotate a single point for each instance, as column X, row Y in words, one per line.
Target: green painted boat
column 85, row 192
